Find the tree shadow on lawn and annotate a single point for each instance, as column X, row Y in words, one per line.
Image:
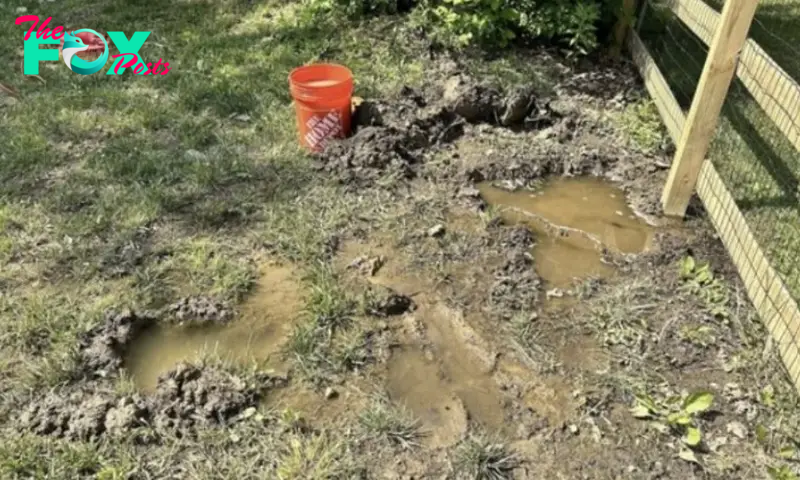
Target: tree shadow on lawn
column 214, row 135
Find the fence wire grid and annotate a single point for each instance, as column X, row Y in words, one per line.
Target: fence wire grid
column 754, row 149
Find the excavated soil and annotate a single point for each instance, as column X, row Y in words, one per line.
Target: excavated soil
column 186, row 397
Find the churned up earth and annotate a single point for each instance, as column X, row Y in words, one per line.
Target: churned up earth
column 477, row 284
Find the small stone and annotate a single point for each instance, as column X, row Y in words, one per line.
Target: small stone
column 22, row 9
column 469, row 192
column 330, row 393
column 375, row 264
column 556, row 293
column 436, row 230
column 249, row 412
column 738, row 429
column 574, row 429
column 358, row 261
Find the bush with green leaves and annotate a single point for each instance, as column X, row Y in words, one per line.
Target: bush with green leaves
column 490, row 23
column 354, row 9
column 497, row 23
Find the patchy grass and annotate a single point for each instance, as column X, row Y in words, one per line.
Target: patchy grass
column 483, row 458
column 391, row 423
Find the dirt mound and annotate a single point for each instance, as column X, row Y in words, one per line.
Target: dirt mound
column 185, row 397
column 393, row 138
column 102, row 348
column 199, row 310
column 516, row 285
column 83, row 414
column 190, row 394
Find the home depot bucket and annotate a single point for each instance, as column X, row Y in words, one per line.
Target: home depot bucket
column 321, row 94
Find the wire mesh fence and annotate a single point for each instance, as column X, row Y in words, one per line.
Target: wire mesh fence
column 755, row 147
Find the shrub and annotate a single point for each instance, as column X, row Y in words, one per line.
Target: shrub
column 497, row 23
column 490, row 23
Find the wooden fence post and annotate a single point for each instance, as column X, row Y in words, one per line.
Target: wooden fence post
column 720, row 66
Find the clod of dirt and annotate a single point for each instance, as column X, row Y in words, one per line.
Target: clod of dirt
column 199, row 310
column 516, row 286
column 472, row 101
column 368, row 265
column 190, row 394
column 382, row 301
column 367, row 114
column 83, row 414
column 517, row 105
column 368, row 154
column 128, row 413
column 186, row 396
column 518, row 237
column 102, row 349
column 436, row 230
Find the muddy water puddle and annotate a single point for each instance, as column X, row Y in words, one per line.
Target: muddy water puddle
column 256, row 335
column 576, row 218
column 445, row 378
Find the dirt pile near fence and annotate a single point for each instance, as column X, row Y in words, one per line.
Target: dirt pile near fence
column 393, row 138
column 463, row 131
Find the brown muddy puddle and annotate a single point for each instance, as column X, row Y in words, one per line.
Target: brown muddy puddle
column 256, row 335
column 444, row 379
column 576, row 219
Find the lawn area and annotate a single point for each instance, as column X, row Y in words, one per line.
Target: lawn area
column 187, row 293
column 759, row 165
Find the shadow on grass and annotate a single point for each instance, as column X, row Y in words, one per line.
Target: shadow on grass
column 758, row 164
column 208, row 142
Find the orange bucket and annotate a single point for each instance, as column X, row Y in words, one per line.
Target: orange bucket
column 321, row 94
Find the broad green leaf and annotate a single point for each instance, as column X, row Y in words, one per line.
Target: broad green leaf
column 688, row 456
column 698, row 402
column 703, row 274
column 679, row 418
column 693, row 436
column 786, row 452
column 768, row 396
column 647, row 402
column 761, row 434
column 687, row 267
column 640, row 411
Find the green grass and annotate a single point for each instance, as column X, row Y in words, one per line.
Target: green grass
column 391, row 423
column 484, row 458
column 758, row 164
column 133, row 191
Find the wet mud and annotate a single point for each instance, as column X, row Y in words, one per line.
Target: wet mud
column 255, row 336
column 186, row 397
column 577, row 221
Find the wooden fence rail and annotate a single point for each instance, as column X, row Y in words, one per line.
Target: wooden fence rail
column 771, row 298
column 774, row 89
